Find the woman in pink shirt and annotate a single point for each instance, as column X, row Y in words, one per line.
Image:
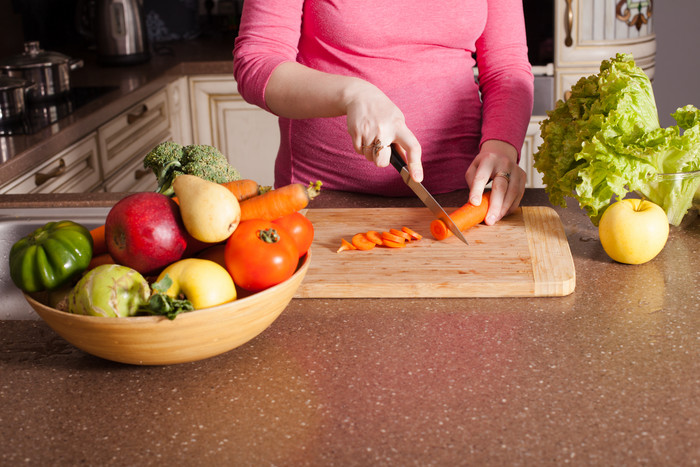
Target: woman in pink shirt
column 349, row 77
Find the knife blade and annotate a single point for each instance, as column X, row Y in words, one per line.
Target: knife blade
column 424, row 195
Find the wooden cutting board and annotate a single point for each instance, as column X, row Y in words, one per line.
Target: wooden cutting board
column 526, row 254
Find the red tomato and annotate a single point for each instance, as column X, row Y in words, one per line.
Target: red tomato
column 300, row 227
column 259, row 255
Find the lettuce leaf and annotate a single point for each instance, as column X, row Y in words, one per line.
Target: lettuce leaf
column 605, row 141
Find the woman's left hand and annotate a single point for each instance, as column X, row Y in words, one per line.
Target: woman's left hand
column 496, row 162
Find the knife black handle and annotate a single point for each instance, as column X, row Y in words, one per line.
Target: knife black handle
column 396, row 159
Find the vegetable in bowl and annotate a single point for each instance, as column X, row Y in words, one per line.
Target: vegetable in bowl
column 170, row 159
column 605, row 141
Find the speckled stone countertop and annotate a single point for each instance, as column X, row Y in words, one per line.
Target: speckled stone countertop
column 609, row 375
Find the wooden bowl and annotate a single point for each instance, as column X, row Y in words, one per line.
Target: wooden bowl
column 156, row 340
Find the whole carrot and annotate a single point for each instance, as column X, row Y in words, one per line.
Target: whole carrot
column 464, row 218
column 244, row 189
column 97, row 260
column 279, row 202
column 99, row 245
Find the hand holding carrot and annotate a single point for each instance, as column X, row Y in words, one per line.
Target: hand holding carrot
column 464, row 218
column 497, row 163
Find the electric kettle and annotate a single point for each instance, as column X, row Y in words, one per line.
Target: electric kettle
column 119, row 30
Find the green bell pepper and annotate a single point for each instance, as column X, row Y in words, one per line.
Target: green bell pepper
column 50, row 256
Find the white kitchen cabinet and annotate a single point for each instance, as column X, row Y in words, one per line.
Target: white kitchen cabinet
column 246, row 134
column 73, row 170
column 530, row 145
column 130, row 135
column 180, row 111
column 590, row 31
column 132, row 177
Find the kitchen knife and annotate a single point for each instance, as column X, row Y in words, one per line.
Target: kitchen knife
column 425, row 196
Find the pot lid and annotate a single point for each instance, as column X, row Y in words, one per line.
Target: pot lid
column 34, row 57
column 8, row 83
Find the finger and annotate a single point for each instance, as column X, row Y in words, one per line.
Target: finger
column 357, row 143
column 368, row 148
column 410, row 149
column 383, row 155
column 480, row 175
column 499, row 188
column 514, row 195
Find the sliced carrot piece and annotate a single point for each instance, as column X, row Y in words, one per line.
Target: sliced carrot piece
column 400, row 233
column 345, row 245
column 361, row 242
column 374, row 236
column 392, row 244
column 412, row 233
column 392, row 238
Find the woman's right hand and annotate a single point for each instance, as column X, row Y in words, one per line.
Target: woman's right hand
column 374, row 122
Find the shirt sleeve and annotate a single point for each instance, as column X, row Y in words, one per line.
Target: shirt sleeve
column 268, row 36
column 505, row 75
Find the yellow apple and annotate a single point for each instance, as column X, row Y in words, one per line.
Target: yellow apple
column 633, row 231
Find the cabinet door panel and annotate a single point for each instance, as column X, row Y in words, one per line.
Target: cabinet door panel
column 132, row 178
column 530, row 146
column 135, row 131
column 251, row 138
column 589, row 31
column 246, row 134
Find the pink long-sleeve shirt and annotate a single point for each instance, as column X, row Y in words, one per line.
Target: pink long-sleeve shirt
column 420, row 54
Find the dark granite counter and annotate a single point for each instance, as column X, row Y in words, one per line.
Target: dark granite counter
column 605, row 376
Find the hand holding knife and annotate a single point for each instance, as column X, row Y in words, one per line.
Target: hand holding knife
column 425, row 196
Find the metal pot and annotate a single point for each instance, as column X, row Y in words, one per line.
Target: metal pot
column 50, row 71
column 12, row 98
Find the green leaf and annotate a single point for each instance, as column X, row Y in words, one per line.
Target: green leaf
column 605, row 141
column 161, row 304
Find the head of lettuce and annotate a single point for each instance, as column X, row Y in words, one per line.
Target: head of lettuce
column 605, row 141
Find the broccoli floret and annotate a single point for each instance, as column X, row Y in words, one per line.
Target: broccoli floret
column 165, row 160
column 208, row 163
column 170, row 159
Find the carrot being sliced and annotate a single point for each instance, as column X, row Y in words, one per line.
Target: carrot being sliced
column 464, row 218
column 412, row 233
column 361, row 242
column 374, row 236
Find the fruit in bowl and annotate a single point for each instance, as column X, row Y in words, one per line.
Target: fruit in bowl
column 157, row 340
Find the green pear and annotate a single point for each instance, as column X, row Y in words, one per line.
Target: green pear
column 209, row 210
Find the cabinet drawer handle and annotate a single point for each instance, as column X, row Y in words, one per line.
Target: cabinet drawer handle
column 41, row 178
column 569, row 24
column 137, row 115
column 140, row 173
